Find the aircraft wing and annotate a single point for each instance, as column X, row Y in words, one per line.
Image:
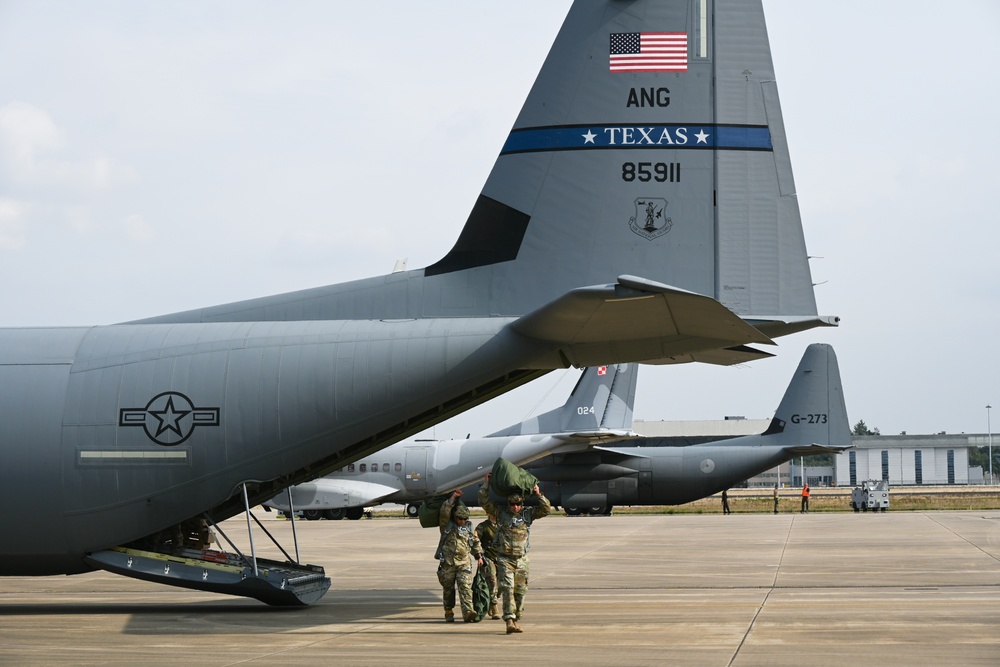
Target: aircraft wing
column 810, row 450
column 647, row 321
column 582, row 441
column 324, row 493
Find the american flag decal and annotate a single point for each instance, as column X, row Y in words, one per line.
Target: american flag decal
column 649, row 52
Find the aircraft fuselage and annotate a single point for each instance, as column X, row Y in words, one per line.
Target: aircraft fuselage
column 160, row 422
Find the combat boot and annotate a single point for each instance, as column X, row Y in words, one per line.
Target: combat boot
column 449, row 616
column 494, row 612
column 512, row 627
column 469, row 616
column 517, row 626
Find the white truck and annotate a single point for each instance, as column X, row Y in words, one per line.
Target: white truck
column 871, row 495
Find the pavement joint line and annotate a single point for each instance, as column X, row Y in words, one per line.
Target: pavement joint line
column 298, row 647
column 961, row 537
column 774, row 583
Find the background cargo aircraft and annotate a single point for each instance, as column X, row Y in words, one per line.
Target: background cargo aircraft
column 599, row 410
column 614, row 227
column 811, row 419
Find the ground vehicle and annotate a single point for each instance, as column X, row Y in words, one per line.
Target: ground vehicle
column 871, row 495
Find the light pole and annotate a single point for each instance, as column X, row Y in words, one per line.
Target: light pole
column 989, row 435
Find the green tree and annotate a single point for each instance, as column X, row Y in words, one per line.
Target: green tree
column 979, row 456
column 861, row 428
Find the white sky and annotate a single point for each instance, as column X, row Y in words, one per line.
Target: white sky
column 156, row 157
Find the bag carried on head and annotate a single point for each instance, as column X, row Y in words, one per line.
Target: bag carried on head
column 506, row 479
column 430, row 510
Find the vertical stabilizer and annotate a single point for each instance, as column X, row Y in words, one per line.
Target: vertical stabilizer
column 653, row 139
column 652, row 145
column 602, row 400
column 812, row 410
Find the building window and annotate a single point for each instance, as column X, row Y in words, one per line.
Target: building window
column 853, row 456
column 951, row 466
column 885, row 465
column 918, row 467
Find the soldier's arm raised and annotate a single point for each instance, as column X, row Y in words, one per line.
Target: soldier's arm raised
column 484, row 497
column 544, row 507
column 444, row 514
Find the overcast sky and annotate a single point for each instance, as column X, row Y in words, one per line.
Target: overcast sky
column 157, row 157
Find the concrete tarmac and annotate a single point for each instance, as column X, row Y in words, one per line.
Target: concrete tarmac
column 745, row 589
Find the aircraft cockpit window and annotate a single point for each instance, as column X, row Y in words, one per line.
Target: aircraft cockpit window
column 350, row 467
column 399, row 467
column 385, row 467
column 364, row 467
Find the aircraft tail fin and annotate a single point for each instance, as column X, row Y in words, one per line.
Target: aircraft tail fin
column 652, row 144
column 652, row 139
column 601, row 401
column 812, row 411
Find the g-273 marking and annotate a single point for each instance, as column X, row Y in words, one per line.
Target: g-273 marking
column 816, row 418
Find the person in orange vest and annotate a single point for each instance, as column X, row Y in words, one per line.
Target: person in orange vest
column 805, row 498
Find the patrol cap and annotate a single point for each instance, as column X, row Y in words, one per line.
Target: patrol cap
column 461, row 512
column 515, row 500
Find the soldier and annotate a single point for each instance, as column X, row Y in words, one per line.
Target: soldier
column 456, row 551
column 511, row 543
column 486, row 532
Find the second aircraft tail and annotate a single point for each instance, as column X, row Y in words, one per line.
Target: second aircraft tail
column 601, row 401
column 812, row 411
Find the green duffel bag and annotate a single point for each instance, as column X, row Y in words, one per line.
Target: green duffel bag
column 507, row 479
column 430, row 510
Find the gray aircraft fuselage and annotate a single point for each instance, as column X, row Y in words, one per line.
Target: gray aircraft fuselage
column 158, row 423
column 653, row 474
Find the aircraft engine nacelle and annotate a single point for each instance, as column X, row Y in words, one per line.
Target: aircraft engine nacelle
column 593, row 494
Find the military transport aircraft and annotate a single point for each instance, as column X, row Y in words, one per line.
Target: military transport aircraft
column 598, row 411
column 642, row 209
column 811, row 419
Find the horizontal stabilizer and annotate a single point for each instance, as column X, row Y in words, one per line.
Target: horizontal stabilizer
column 578, row 442
column 729, row 356
column 640, row 320
column 810, row 450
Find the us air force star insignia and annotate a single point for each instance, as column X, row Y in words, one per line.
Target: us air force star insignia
column 169, row 419
column 649, row 220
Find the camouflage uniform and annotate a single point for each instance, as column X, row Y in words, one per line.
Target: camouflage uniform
column 511, row 544
column 459, row 546
column 486, row 532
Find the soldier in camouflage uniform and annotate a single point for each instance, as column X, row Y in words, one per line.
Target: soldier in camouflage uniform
column 511, row 544
column 456, row 551
column 486, row 532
